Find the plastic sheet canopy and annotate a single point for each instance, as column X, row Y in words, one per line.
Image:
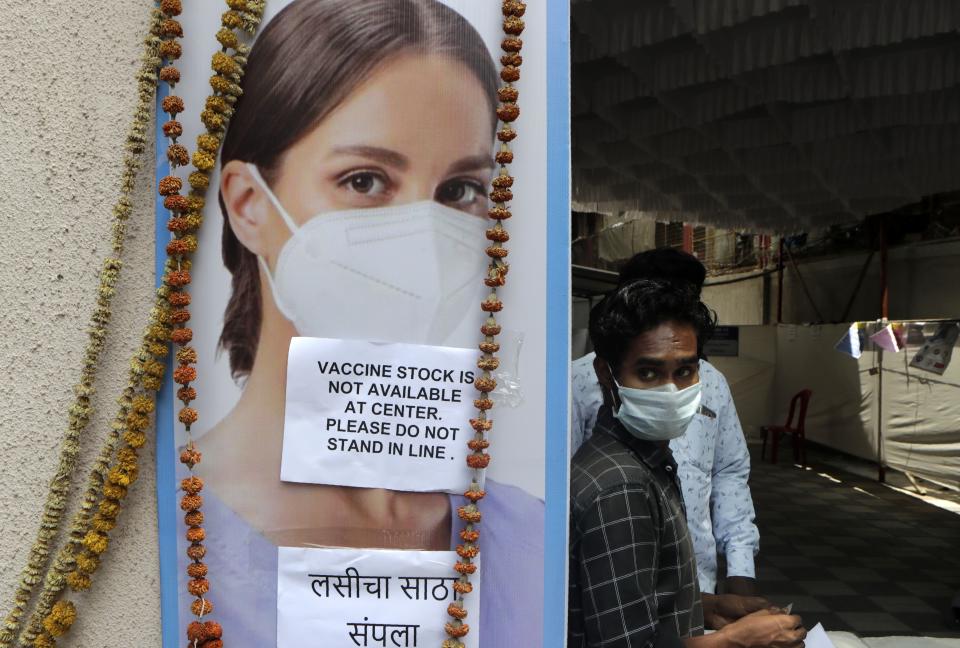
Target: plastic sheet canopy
column 767, row 115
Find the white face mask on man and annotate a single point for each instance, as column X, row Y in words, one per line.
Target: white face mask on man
column 405, row 273
column 657, row 414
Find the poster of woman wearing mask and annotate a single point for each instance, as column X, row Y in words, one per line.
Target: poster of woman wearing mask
column 352, row 203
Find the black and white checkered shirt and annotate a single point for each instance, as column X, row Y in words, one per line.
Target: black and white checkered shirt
column 633, row 574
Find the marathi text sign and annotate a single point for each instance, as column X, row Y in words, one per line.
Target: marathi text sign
column 377, row 415
column 368, row 598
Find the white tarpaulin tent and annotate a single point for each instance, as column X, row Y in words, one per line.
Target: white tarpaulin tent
column 769, row 115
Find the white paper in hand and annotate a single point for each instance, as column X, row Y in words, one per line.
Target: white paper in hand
column 817, row 638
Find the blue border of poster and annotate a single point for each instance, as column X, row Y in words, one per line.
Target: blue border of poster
column 557, row 360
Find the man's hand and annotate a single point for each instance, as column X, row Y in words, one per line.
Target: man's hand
column 723, row 609
column 765, row 629
column 741, row 585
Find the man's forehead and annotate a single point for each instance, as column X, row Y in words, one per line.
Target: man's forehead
column 666, row 340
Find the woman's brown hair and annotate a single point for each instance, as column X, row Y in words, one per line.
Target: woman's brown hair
column 307, row 61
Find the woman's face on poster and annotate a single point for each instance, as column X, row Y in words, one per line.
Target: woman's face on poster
column 400, row 137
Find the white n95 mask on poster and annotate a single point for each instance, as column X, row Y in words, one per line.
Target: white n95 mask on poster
column 406, row 273
column 657, row 414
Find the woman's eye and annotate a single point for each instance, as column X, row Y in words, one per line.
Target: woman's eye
column 368, row 183
column 459, row 193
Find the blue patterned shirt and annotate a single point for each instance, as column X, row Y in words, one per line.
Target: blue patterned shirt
column 714, row 467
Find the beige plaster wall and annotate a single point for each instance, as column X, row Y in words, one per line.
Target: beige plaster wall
column 66, row 94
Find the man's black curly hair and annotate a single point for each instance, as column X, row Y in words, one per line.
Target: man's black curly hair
column 640, row 306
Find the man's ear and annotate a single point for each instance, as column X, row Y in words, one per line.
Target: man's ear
column 605, row 377
column 248, row 207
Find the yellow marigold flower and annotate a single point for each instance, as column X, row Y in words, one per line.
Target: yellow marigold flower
column 152, row 383
column 213, row 121
column 114, row 491
column 230, row 19
column 109, row 509
column 218, row 104
column 143, row 404
column 103, row 525
column 137, row 421
column 154, row 368
column 44, row 640
column 61, row 617
column 127, row 456
column 194, row 220
column 78, row 582
column 96, row 542
column 203, row 160
column 224, row 64
column 199, row 180
column 158, row 349
column 158, row 332
column 119, row 476
column 208, row 142
column 135, row 439
column 187, row 355
column 228, row 38
column 88, row 563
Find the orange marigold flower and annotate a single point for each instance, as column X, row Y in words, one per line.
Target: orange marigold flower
column 478, row 461
column 483, row 404
column 196, row 631
column 457, row 630
column 187, row 355
column 485, row 384
column 468, row 551
column 491, row 304
column 462, row 587
column 506, row 134
column 171, row 28
column 182, row 335
column 456, row 611
column 196, row 551
column 171, row 7
column 179, row 316
column 498, row 212
column 481, row 425
column 506, row 94
column 184, row 374
column 201, row 607
column 192, row 485
column 175, row 203
column 198, row 586
column 191, row 502
column 179, row 299
column 510, row 74
column 172, row 104
column 465, row 567
column 490, row 328
column 188, row 416
column 512, row 58
column 177, row 224
column 173, row 128
column 193, row 518
column 474, row 495
column 488, row 364
column 469, row 513
column 170, row 185
column 469, row 536
column 214, row 631
column 197, row 570
column 178, row 154
column 513, row 25
column 190, row 457
column 178, row 278
column 501, row 195
column 513, row 8
column 478, row 444
column 196, row 534
column 511, row 44
column 211, row 643
column 489, row 347
column 170, row 50
column 498, row 234
column 503, row 181
column 170, row 74
column 504, row 157
column 186, row 394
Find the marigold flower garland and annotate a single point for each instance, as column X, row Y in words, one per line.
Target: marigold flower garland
column 501, row 195
column 166, row 323
column 81, row 411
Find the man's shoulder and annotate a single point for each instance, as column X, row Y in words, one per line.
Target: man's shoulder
column 602, row 463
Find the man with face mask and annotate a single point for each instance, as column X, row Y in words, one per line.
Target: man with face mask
column 714, row 464
column 633, row 574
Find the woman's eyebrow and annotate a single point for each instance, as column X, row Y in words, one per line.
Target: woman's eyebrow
column 471, row 163
column 382, row 155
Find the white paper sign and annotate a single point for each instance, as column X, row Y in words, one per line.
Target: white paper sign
column 343, row 598
column 378, row 415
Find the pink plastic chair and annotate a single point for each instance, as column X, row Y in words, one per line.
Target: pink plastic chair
column 797, row 432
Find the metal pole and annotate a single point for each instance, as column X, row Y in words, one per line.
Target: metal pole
column 884, row 315
column 780, row 284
